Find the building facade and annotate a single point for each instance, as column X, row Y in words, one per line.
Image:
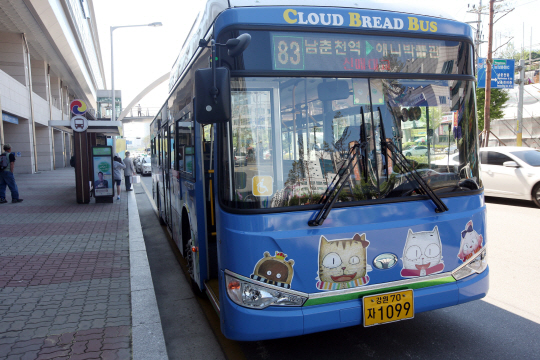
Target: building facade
column 49, row 55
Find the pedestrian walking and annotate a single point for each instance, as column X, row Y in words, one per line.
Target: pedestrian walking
column 118, row 165
column 7, row 164
column 139, row 110
column 128, row 171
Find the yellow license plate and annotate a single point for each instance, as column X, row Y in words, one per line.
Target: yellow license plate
column 389, row 307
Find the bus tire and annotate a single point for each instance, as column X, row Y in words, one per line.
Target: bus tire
column 189, row 254
column 189, row 257
column 156, row 194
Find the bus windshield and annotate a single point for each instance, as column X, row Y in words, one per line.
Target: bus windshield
column 289, row 136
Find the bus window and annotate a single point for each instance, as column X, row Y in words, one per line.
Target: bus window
column 252, row 142
column 172, row 134
column 186, row 136
column 286, row 139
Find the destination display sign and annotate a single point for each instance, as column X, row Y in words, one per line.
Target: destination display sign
column 344, row 52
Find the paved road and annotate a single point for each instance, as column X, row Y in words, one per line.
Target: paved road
column 185, row 327
column 506, row 324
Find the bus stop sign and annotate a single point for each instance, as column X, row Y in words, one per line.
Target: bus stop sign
column 79, row 123
column 502, row 73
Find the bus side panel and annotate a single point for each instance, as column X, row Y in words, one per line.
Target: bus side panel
column 176, row 208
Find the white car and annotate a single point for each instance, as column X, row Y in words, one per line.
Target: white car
column 418, row 150
column 146, row 165
column 511, row 172
column 452, row 149
column 450, row 163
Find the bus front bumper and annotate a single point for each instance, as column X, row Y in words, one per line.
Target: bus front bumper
column 244, row 324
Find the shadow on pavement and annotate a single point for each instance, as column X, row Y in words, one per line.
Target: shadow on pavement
column 510, row 202
column 476, row 330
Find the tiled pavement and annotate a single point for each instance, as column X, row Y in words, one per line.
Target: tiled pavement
column 64, row 274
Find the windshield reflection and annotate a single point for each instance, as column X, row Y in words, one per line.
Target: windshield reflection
column 289, row 137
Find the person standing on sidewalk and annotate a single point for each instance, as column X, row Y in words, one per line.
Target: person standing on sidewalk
column 118, row 165
column 7, row 164
column 128, row 171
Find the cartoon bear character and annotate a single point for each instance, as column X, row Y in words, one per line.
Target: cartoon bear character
column 471, row 242
column 274, row 270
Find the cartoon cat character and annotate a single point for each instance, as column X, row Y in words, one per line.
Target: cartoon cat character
column 422, row 254
column 471, row 242
column 342, row 263
column 274, row 270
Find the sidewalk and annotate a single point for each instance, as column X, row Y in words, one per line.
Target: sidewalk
column 64, row 273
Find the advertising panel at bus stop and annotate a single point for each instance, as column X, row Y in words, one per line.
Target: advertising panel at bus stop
column 502, row 73
column 103, row 171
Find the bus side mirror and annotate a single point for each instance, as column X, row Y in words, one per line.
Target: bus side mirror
column 210, row 109
column 237, row 46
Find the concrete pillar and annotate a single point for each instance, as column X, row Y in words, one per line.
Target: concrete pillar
column 20, row 138
column 40, row 84
column 12, row 56
column 44, row 148
column 56, row 92
column 69, row 152
column 59, row 149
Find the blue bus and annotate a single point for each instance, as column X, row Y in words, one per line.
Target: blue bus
column 317, row 166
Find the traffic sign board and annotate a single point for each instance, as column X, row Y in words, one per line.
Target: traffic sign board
column 502, row 73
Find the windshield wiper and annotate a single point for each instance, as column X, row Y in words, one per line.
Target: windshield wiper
column 407, row 169
column 331, row 194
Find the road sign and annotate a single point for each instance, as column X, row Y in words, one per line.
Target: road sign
column 502, row 73
column 79, row 123
column 78, row 107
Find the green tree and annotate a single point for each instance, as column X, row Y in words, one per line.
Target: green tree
column 498, row 103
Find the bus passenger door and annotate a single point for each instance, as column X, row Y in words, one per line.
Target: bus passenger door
column 166, row 176
column 160, row 190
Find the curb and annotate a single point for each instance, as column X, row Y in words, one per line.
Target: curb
column 147, row 333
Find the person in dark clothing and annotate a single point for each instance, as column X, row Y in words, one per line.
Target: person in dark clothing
column 7, row 178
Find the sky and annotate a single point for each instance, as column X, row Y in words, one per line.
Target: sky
column 143, row 54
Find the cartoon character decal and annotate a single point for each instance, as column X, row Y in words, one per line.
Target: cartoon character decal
column 471, row 242
column 342, row 263
column 274, row 270
column 422, row 254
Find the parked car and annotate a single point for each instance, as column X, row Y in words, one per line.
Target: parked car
column 418, row 150
column 146, row 165
column 136, row 162
column 451, row 162
column 453, row 149
column 240, row 158
column 511, row 172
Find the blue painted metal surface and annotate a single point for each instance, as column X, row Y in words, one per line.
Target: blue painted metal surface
column 344, row 19
column 385, row 225
column 246, row 237
column 245, row 324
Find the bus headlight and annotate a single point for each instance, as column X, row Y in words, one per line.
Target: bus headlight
column 476, row 265
column 256, row 296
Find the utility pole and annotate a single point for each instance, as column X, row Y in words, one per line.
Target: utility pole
column 489, row 62
column 478, row 30
column 521, row 80
column 478, row 37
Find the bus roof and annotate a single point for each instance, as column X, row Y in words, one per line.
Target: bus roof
column 417, row 7
column 213, row 8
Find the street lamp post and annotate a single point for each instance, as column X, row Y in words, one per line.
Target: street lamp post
column 113, row 116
